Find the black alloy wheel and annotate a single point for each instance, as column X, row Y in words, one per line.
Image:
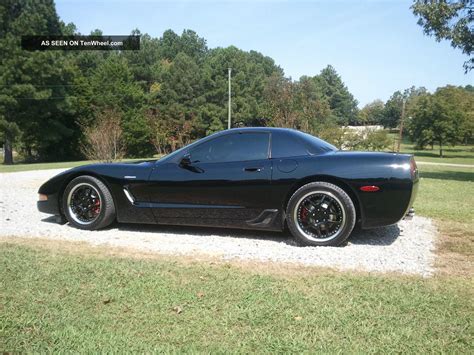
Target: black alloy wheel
column 320, row 214
column 88, row 204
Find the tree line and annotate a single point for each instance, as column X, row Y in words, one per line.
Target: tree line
column 169, row 93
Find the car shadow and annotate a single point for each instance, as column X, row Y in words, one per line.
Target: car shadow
column 382, row 236
column 377, row 236
column 206, row 231
column 54, row 220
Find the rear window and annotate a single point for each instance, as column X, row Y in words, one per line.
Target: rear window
column 286, row 145
column 316, row 145
column 295, row 143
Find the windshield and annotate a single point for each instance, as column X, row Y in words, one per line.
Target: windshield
column 186, row 147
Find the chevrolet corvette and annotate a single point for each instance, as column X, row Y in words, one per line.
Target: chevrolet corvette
column 248, row 178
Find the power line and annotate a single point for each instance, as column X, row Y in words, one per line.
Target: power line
column 67, row 97
column 76, row 85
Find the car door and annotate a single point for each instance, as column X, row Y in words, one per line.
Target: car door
column 223, row 181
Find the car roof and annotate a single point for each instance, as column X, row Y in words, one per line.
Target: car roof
column 256, row 129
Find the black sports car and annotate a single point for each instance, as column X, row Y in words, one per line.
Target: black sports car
column 253, row 178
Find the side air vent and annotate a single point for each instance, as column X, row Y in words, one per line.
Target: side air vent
column 128, row 195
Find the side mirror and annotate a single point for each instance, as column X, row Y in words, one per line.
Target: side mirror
column 185, row 160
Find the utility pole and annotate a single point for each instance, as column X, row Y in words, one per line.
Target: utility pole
column 230, row 101
column 401, row 124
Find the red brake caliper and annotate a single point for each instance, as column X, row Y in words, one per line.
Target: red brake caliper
column 97, row 206
column 303, row 213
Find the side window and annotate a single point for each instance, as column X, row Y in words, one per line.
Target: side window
column 286, row 145
column 232, row 147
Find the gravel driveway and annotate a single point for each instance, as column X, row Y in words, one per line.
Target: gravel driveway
column 407, row 247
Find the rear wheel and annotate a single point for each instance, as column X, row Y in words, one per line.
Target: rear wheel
column 88, row 204
column 320, row 214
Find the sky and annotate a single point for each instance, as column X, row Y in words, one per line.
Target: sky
column 376, row 46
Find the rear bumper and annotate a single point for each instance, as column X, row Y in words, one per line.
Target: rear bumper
column 50, row 206
column 414, row 191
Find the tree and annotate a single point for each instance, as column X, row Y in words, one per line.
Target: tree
column 188, row 43
column 9, row 132
column 393, row 110
column 419, row 126
column 450, row 20
column 144, row 64
column 372, row 113
column 393, row 107
column 33, row 85
column 111, row 85
column 443, row 118
column 459, row 103
column 299, row 104
column 341, row 102
column 250, row 71
column 180, row 98
column 279, row 104
column 312, row 107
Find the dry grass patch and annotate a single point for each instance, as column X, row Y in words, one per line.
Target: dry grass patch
column 455, row 248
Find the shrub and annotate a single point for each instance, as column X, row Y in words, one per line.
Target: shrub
column 347, row 139
column 104, row 140
column 376, row 140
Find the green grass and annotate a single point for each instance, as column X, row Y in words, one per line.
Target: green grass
column 453, row 155
column 459, row 154
column 446, row 193
column 41, row 166
column 65, row 302
column 58, row 165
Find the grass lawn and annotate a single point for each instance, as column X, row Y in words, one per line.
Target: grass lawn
column 459, row 154
column 58, row 165
column 41, row 166
column 73, row 299
column 446, row 193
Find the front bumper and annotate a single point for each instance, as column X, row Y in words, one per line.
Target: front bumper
column 50, row 206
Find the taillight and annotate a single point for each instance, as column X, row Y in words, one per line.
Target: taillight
column 369, row 188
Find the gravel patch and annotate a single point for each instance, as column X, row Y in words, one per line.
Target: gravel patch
column 406, row 248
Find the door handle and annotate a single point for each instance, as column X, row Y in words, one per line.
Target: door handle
column 253, row 169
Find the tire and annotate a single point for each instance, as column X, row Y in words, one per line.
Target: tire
column 336, row 217
column 102, row 214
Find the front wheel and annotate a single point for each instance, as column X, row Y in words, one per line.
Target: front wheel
column 88, row 204
column 320, row 214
